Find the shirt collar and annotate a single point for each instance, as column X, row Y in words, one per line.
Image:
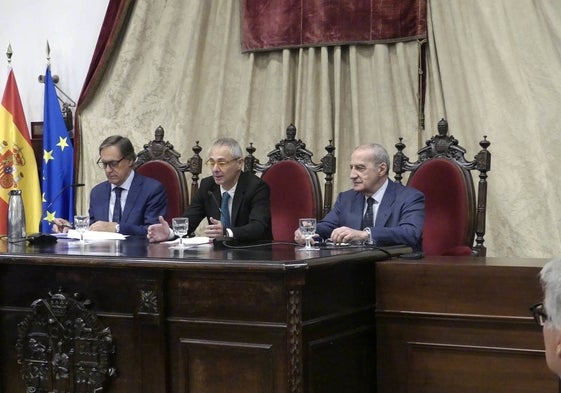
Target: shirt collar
column 231, row 191
column 378, row 195
column 126, row 184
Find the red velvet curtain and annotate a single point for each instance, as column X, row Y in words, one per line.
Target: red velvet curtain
column 114, row 24
column 276, row 24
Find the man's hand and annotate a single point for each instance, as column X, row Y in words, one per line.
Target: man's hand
column 158, row 232
column 103, row 226
column 60, row 225
column 298, row 238
column 348, row 235
column 214, row 229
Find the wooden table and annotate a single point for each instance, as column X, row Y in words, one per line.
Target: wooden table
column 460, row 325
column 265, row 319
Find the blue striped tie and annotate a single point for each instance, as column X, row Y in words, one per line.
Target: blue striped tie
column 117, row 207
column 225, row 212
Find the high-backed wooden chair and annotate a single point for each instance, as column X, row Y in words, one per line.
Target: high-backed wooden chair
column 293, row 179
column 455, row 213
column 160, row 161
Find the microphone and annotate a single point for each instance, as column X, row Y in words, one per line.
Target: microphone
column 66, row 187
column 44, row 239
column 215, row 201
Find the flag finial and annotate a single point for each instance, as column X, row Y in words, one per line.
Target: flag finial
column 48, row 53
column 9, row 53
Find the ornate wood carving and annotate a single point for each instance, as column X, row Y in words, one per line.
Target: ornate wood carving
column 63, row 348
column 294, row 341
column 292, row 149
column 446, row 146
column 157, row 149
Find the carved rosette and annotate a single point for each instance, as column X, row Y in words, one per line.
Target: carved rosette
column 62, row 347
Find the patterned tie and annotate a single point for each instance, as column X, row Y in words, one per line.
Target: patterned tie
column 368, row 219
column 225, row 212
column 117, row 208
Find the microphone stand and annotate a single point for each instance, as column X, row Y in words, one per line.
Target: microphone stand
column 42, row 239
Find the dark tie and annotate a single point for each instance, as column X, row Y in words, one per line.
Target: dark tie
column 117, row 208
column 368, row 219
column 225, row 212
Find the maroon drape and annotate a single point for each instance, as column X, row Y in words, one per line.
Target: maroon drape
column 276, row 24
column 114, row 23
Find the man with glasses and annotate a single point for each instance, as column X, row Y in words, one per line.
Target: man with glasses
column 235, row 204
column 127, row 202
column 376, row 210
column 548, row 314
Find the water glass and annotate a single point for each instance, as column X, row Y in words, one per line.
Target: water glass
column 180, row 226
column 308, row 230
column 81, row 224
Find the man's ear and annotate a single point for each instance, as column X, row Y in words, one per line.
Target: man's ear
column 557, row 342
column 383, row 169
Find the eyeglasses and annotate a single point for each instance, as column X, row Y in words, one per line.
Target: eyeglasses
column 539, row 313
column 110, row 164
column 221, row 164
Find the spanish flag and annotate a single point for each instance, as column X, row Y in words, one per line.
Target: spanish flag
column 18, row 167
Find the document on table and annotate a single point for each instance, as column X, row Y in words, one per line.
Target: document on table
column 95, row 235
column 191, row 241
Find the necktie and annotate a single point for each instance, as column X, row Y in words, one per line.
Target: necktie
column 117, row 208
column 225, row 212
column 368, row 219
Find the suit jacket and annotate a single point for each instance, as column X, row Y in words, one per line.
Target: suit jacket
column 399, row 219
column 146, row 200
column 251, row 207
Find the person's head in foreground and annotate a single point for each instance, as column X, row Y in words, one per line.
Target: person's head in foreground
column 548, row 314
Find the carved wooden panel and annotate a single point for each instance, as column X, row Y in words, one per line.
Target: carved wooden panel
column 209, row 366
column 63, row 347
column 434, row 368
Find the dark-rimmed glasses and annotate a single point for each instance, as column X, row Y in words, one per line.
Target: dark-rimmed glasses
column 221, row 164
column 111, row 164
column 540, row 316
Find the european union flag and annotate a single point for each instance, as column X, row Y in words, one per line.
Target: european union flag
column 58, row 161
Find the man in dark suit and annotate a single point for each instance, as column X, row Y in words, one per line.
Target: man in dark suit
column 127, row 202
column 376, row 210
column 235, row 203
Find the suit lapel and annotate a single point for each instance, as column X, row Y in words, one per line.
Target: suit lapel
column 132, row 195
column 357, row 210
column 385, row 208
column 215, row 210
column 238, row 198
column 105, row 202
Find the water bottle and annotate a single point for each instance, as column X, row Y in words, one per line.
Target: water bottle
column 16, row 217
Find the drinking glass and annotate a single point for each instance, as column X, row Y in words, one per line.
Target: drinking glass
column 180, row 227
column 81, row 224
column 308, row 230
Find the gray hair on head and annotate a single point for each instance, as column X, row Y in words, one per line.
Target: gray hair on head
column 550, row 278
column 379, row 153
column 232, row 144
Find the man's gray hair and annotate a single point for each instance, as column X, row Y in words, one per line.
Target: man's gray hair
column 379, row 153
column 232, row 144
column 550, row 278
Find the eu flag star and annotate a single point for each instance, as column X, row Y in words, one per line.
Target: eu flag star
column 47, row 155
column 50, row 216
column 62, row 143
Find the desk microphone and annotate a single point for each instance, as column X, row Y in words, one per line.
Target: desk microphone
column 213, row 197
column 43, row 239
column 66, row 187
